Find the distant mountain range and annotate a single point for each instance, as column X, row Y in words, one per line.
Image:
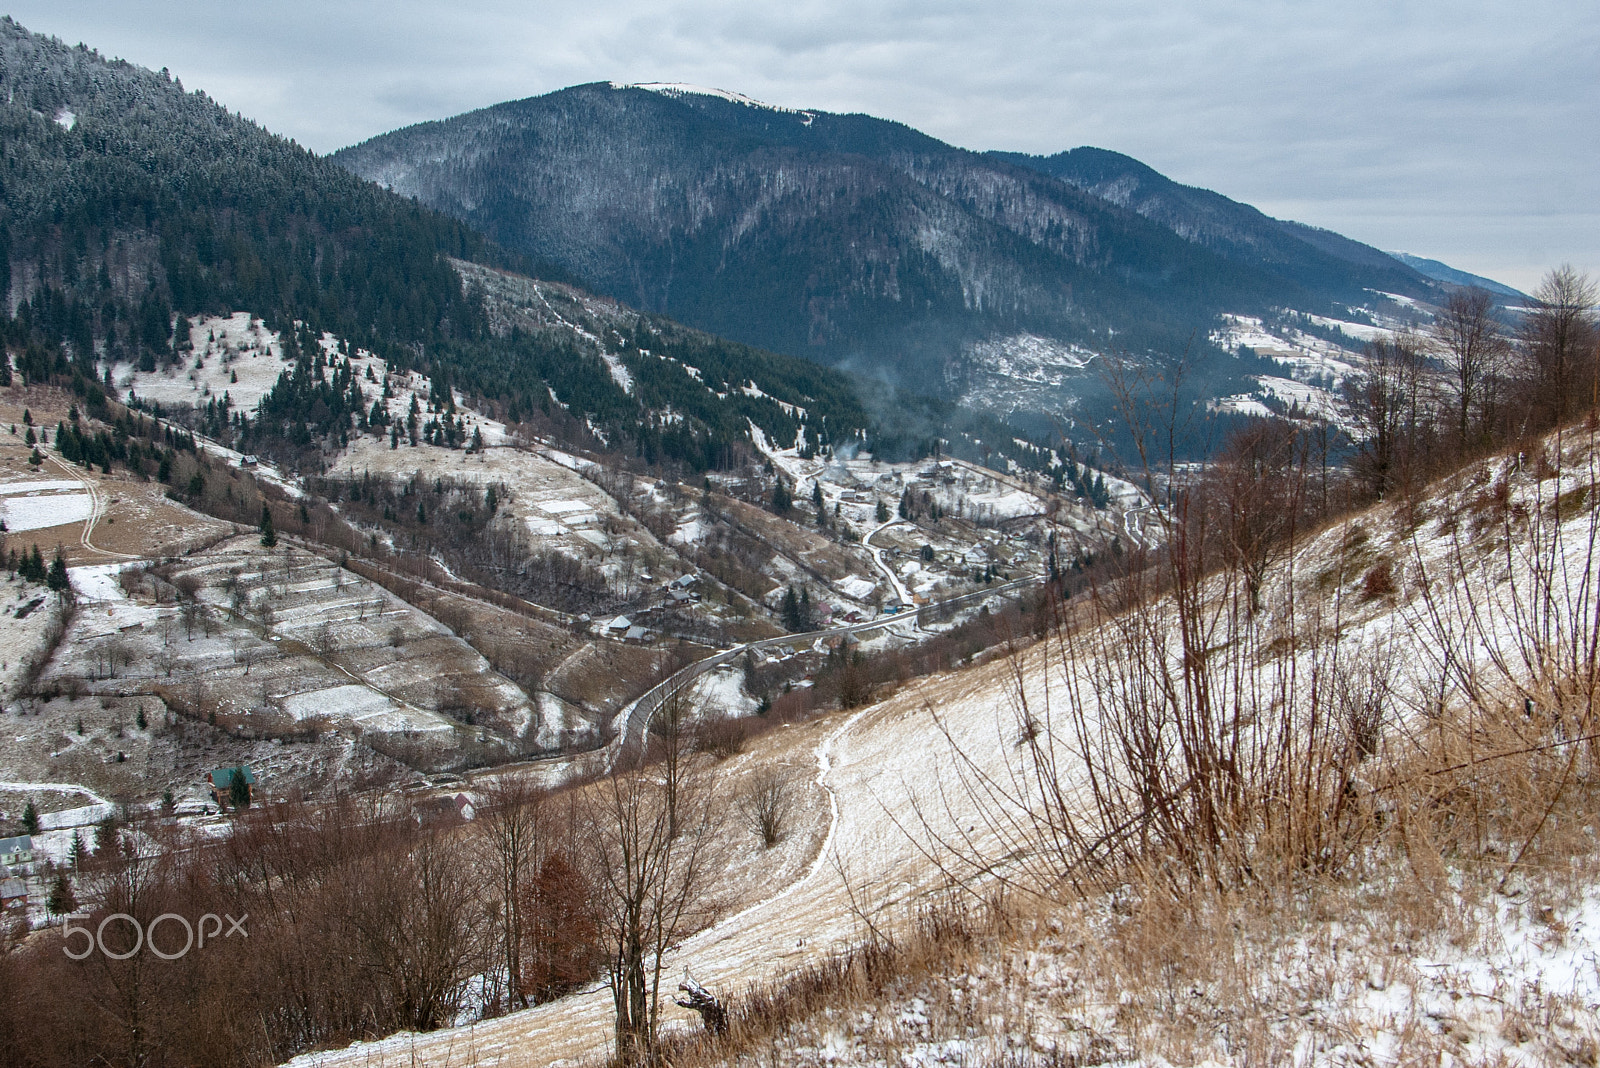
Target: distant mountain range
column 940, row 276
column 860, row 241
column 1443, row 272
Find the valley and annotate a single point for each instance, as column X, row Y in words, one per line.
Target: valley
column 636, row 576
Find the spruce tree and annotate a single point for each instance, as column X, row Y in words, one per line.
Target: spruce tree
column 61, row 900
column 239, row 791
column 269, row 536
column 56, row 578
column 30, row 818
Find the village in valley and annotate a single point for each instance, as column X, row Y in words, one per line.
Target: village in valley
column 186, row 647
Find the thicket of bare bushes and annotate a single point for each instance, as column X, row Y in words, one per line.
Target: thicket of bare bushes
column 364, row 919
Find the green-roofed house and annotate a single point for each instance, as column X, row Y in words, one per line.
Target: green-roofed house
column 222, row 784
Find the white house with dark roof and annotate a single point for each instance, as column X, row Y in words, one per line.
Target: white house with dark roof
column 16, row 852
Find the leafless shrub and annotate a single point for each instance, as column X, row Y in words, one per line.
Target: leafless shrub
column 765, row 801
column 1378, row 581
column 721, row 735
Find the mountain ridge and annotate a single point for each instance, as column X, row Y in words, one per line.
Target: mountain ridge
column 856, row 240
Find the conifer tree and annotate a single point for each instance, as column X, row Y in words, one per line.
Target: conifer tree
column 269, row 536
column 239, row 791
column 30, row 818
column 56, row 578
column 62, row 900
column 791, row 611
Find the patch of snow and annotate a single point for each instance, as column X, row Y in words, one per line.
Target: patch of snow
column 66, row 119
column 619, row 372
column 85, row 816
column 1242, row 404
column 855, row 587
column 690, row 532
column 685, row 89
column 563, row 507
column 39, row 486
column 753, row 390
column 97, row 582
column 37, row 513
column 1031, row 358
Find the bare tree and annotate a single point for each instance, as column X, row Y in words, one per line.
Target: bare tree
column 1559, row 344
column 650, row 856
column 509, row 830
column 413, row 912
column 1258, row 491
column 764, row 802
column 1474, row 350
column 1391, row 406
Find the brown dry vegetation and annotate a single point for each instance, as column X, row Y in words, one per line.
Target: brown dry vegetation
column 383, row 912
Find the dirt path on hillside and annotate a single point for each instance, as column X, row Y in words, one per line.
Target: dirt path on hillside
column 869, row 763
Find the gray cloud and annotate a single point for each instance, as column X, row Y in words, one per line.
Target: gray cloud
column 1460, row 130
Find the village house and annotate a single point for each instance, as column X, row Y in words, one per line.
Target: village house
column 221, row 781
column 16, row 852
column 443, row 809
column 13, row 895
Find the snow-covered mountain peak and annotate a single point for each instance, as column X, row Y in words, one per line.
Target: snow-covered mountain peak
column 683, row 89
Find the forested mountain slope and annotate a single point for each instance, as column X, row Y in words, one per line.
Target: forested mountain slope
column 126, row 198
column 1319, row 260
column 856, row 240
column 128, row 204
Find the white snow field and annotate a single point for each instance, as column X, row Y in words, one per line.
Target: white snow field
column 36, row 511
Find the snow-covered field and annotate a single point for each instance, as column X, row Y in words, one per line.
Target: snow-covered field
column 43, row 505
column 284, row 638
column 236, row 355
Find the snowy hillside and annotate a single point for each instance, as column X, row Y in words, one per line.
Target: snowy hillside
column 1457, row 610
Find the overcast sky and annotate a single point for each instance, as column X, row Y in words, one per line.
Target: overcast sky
column 1464, row 130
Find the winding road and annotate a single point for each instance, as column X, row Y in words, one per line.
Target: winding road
column 883, row 565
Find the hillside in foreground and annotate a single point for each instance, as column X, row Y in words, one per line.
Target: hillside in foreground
column 1378, row 845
